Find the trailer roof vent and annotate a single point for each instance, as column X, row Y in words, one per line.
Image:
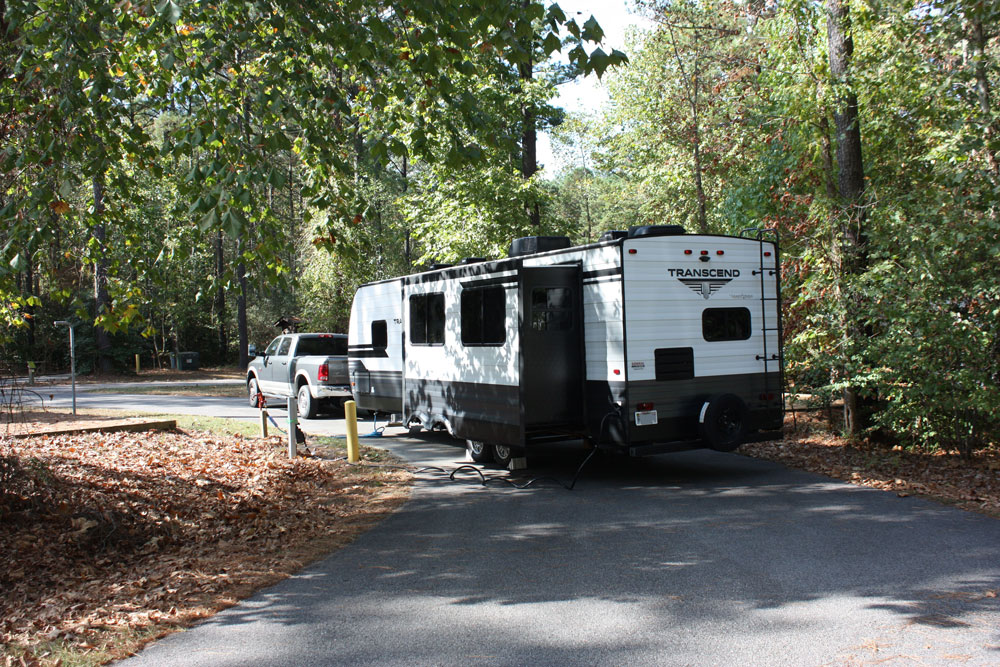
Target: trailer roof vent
column 613, row 235
column 655, row 230
column 438, row 267
column 473, row 260
column 529, row 245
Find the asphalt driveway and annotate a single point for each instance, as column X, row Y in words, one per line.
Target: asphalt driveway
column 698, row 558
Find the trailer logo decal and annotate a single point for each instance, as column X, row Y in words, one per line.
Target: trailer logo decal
column 706, row 288
column 705, row 282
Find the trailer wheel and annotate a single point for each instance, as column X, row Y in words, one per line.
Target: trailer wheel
column 479, row 451
column 502, row 454
column 723, row 422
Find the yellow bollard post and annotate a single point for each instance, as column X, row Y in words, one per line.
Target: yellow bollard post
column 351, row 421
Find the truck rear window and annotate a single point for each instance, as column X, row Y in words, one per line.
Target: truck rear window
column 322, row 346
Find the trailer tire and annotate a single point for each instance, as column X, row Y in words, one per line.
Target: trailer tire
column 502, row 454
column 479, row 451
column 723, row 422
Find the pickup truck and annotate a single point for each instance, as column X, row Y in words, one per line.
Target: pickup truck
column 310, row 367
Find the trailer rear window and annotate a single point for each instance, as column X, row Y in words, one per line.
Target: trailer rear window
column 427, row 319
column 720, row 324
column 483, row 314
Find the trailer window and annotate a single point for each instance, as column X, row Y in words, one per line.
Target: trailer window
column 427, row 319
column 720, row 324
column 551, row 308
column 380, row 335
column 483, row 314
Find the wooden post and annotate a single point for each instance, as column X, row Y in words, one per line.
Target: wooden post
column 136, row 364
column 263, row 422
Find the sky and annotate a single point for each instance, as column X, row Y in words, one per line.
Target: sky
column 587, row 94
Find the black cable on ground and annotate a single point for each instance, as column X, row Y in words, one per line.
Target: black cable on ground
column 486, row 480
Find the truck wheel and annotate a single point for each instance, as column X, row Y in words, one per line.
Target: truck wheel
column 306, row 404
column 479, row 451
column 723, row 422
column 253, row 389
column 502, row 454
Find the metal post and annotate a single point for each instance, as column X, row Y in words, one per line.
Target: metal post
column 293, row 420
column 136, row 364
column 72, row 357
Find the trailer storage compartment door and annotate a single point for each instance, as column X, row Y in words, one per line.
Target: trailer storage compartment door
column 551, row 346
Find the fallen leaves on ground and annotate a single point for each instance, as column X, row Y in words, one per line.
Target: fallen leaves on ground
column 972, row 484
column 113, row 539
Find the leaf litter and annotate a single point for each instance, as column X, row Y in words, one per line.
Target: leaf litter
column 971, row 483
column 110, row 540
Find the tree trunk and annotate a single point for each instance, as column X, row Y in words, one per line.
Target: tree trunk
column 102, row 301
column 850, row 186
column 29, row 284
column 241, row 314
column 529, row 134
column 220, row 297
column 979, row 40
column 699, row 188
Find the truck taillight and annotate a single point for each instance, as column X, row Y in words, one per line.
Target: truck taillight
column 324, row 373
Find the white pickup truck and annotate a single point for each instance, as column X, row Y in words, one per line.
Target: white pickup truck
column 311, row 367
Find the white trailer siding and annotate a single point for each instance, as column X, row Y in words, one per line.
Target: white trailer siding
column 668, row 291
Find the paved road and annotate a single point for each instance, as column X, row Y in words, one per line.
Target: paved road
column 215, row 406
column 698, row 558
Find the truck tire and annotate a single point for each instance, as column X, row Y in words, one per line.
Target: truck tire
column 253, row 391
column 723, row 422
column 479, row 451
column 306, row 403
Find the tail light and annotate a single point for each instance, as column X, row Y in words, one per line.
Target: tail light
column 644, row 407
column 323, row 375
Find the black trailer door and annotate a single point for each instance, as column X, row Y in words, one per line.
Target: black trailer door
column 551, row 345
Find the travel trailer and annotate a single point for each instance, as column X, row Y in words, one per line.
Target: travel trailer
column 648, row 341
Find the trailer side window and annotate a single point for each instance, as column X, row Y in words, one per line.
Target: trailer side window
column 380, row 335
column 427, row 319
column 551, row 308
column 483, row 314
column 720, row 324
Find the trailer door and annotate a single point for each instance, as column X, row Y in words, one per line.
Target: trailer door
column 551, row 321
